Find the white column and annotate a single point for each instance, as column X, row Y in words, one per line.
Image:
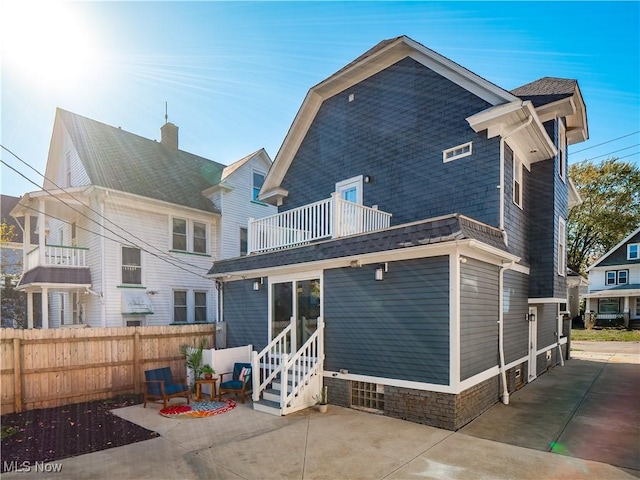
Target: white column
column 45, row 307
column 29, row 309
column 26, row 240
column 41, row 232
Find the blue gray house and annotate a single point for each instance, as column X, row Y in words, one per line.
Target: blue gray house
column 417, row 264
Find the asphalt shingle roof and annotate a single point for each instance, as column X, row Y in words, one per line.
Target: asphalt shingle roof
column 546, row 90
column 7, row 203
column 119, row 160
column 445, row 229
column 78, row 276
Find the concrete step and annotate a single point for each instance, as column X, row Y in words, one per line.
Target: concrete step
column 267, row 406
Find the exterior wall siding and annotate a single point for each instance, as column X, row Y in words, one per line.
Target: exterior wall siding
column 401, row 323
column 619, row 256
column 246, row 314
column 515, row 308
column 395, row 130
column 479, row 310
column 547, row 324
column 516, row 219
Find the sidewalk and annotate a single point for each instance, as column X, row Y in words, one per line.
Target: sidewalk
column 567, row 410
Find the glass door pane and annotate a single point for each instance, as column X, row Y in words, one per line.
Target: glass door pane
column 282, row 307
column 308, row 309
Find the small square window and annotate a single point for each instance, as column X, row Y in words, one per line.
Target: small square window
column 454, row 153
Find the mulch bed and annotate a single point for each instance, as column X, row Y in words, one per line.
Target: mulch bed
column 54, row 433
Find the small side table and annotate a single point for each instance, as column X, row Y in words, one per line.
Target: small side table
column 203, row 381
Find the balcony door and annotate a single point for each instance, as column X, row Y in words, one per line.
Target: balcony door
column 350, row 215
column 297, row 300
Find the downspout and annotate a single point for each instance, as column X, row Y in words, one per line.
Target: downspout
column 503, row 373
column 501, row 185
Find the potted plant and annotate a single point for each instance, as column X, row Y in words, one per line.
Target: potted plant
column 207, row 371
column 193, row 356
column 322, row 400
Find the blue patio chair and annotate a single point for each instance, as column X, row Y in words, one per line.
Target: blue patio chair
column 160, row 385
column 240, row 382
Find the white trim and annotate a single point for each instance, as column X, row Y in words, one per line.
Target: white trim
column 629, row 251
column 538, row 301
column 610, row 293
column 392, row 382
column 563, row 341
column 516, row 267
column 562, row 150
column 625, row 240
column 562, row 240
column 533, row 345
column 455, row 156
column 454, row 319
column 516, row 178
column 357, row 182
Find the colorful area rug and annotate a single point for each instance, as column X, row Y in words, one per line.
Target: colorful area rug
column 198, row 409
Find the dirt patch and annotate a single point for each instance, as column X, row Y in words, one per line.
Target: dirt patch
column 50, row 434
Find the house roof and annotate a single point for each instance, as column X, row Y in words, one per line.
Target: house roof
column 119, row 160
column 57, row 275
column 546, row 90
column 629, row 290
column 450, row 228
column 7, row 203
column 614, row 249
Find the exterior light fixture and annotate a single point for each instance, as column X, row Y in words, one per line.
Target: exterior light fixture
column 367, row 179
column 256, row 284
column 379, row 275
column 531, row 317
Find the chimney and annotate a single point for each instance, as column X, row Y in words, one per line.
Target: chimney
column 169, row 136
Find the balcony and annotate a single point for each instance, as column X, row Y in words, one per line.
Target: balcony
column 330, row 218
column 56, row 256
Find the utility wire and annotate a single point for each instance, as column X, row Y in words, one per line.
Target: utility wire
column 603, row 143
column 90, row 208
column 106, row 228
column 615, row 151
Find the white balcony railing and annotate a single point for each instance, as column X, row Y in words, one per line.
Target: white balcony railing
column 57, row 256
column 330, row 218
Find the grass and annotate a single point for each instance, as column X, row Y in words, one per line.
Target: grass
column 7, row 431
column 606, row 335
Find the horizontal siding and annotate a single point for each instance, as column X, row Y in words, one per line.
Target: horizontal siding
column 246, row 314
column 515, row 310
column 547, row 324
column 396, row 328
column 479, row 309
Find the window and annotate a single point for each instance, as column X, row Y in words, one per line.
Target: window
column 562, row 150
column 200, row 306
column 616, row 277
column 562, row 247
column 199, row 237
column 179, row 234
column 633, row 251
column 189, row 236
column 623, row 277
column 517, row 181
column 454, row 153
column 638, row 307
column 131, row 266
column 258, row 180
column 179, row 306
column 244, row 246
column 609, row 305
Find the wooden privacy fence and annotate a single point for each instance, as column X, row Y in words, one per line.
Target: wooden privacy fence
column 48, row 368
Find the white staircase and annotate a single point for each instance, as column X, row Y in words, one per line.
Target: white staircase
column 301, row 373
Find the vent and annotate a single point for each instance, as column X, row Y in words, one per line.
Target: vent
column 367, row 396
column 134, row 323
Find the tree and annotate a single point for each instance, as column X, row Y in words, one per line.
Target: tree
column 610, row 209
column 13, row 309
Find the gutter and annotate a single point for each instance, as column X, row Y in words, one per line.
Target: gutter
column 503, row 373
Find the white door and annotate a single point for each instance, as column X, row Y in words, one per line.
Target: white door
column 350, row 214
column 533, row 342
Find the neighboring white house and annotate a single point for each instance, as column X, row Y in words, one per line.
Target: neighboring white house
column 128, row 227
column 614, row 283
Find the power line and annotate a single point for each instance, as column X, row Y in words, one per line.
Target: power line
column 89, row 207
column 106, row 228
column 603, row 143
column 615, row 151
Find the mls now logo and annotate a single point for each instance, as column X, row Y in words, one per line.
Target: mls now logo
column 15, row 466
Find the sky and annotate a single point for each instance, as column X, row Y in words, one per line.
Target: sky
column 234, row 74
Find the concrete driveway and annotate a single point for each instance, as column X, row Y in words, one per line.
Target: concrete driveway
column 580, row 421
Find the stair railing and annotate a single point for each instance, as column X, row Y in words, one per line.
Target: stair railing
column 298, row 370
column 267, row 364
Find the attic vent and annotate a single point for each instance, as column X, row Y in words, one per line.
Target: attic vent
column 457, row 152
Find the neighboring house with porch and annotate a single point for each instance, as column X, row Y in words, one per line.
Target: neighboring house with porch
column 417, row 264
column 128, row 227
column 614, row 284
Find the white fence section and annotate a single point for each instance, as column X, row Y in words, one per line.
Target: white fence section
column 330, row 218
column 222, row 360
column 58, row 256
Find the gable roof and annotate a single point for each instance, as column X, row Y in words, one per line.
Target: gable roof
column 229, row 170
column 116, row 159
column 614, row 249
column 381, row 56
column 450, row 228
column 559, row 97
